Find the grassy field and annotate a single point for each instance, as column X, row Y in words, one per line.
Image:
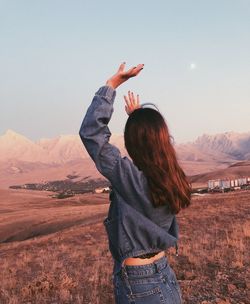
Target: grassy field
column 56, row 251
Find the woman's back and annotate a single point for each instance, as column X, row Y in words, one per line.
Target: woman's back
column 145, row 196
column 134, row 226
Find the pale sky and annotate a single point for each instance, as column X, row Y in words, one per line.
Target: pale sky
column 55, row 54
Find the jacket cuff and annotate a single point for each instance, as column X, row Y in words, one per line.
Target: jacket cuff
column 106, row 92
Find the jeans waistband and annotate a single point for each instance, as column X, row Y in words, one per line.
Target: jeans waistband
column 146, row 269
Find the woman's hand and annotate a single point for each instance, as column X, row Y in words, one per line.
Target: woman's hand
column 121, row 75
column 132, row 103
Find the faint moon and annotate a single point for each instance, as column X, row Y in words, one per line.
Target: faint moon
column 192, row 66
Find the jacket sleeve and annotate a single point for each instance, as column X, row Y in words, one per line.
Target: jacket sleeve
column 95, row 133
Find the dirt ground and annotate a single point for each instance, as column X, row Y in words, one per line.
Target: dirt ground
column 56, row 251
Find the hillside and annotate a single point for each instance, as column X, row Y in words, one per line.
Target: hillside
column 239, row 169
column 57, row 251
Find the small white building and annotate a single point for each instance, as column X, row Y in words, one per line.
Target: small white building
column 225, row 184
column 102, row 190
column 242, row 181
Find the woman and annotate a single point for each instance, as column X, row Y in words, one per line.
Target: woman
column 146, row 194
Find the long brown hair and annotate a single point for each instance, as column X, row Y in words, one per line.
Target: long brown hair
column 148, row 143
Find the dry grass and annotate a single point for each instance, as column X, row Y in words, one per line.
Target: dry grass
column 74, row 265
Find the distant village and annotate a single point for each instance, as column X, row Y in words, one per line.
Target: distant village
column 213, row 185
column 67, row 188
column 225, row 185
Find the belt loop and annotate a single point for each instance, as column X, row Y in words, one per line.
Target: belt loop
column 157, row 269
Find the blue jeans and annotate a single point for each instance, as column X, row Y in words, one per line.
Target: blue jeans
column 152, row 283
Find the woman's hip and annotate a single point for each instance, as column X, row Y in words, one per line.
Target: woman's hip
column 145, row 284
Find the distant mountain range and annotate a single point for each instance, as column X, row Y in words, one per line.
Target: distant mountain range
column 62, row 149
column 22, row 159
column 228, row 146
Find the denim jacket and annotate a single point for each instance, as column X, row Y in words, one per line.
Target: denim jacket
column 133, row 225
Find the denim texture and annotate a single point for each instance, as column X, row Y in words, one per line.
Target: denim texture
column 133, row 225
column 153, row 283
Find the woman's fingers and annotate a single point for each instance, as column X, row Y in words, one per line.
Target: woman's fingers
column 138, row 69
column 137, row 100
column 127, row 109
column 121, row 67
column 130, row 94
column 132, row 102
column 127, row 105
column 134, row 70
column 133, row 99
column 126, row 100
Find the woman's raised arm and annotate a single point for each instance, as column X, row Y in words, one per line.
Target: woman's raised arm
column 94, row 131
